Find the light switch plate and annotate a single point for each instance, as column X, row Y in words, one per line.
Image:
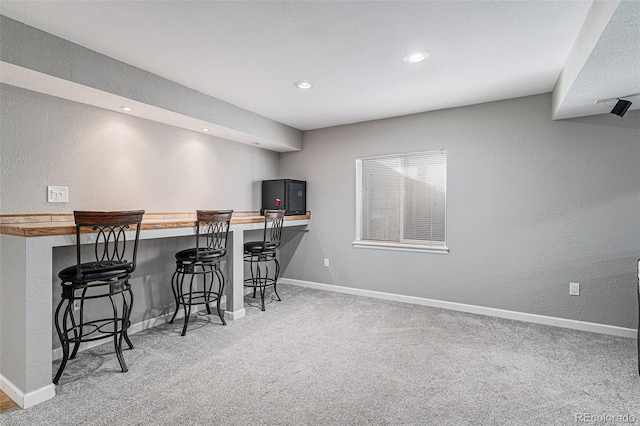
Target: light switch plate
column 57, row 194
column 574, row 289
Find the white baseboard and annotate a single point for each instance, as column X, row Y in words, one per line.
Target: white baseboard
column 481, row 310
column 235, row 314
column 30, row 398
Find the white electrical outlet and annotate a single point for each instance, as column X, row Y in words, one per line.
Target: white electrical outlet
column 57, row 194
column 574, row 289
column 326, row 262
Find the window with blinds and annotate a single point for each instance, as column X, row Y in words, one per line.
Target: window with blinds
column 401, row 201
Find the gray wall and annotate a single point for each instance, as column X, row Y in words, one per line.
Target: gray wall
column 114, row 161
column 532, row 204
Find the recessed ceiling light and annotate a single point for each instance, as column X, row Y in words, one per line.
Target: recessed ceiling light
column 126, row 108
column 204, row 129
column 302, row 84
column 417, row 56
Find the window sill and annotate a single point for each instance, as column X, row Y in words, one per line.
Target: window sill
column 376, row 245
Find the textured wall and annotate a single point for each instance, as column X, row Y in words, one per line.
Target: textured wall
column 532, row 204
column 114, row 161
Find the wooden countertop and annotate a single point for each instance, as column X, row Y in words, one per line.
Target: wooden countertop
column 42, row 225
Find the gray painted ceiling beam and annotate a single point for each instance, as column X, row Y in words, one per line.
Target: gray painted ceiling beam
column 36, row 60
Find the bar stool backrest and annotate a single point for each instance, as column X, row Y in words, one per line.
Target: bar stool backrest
column 212, row 231
column 273, row 233
column 110, row 248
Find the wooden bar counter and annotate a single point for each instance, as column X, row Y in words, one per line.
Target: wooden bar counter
column 26, row 290
column 42, row 225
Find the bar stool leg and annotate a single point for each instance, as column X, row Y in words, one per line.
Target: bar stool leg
column 256, row 277
column 275, row 279
column 74, row 327
column 186, row 304
column 262, row 281
column 127, row 314
column 174, row 288
column 64, row 339
column 77, row 336
column 218, row 273
column 117, row 335
column 253, row 265
column 207, row 271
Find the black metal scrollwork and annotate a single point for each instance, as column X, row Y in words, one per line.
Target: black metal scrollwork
column 111, row 244
column 215, row 235
column 276, row 230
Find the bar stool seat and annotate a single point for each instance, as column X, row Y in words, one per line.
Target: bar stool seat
column 96, row 271
column 201, row 254
column 259, row 246
column 106, row 278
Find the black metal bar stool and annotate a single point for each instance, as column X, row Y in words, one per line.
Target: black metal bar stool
column 106, row 277
column 259, row 254
column 212, row 230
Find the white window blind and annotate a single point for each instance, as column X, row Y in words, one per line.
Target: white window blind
column 401, row 200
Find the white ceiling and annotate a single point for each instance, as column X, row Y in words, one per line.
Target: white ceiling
column 249, row 53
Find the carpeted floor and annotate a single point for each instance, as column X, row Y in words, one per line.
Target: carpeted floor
column 322, row 358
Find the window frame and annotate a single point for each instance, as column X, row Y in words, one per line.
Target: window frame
column 406, row 245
